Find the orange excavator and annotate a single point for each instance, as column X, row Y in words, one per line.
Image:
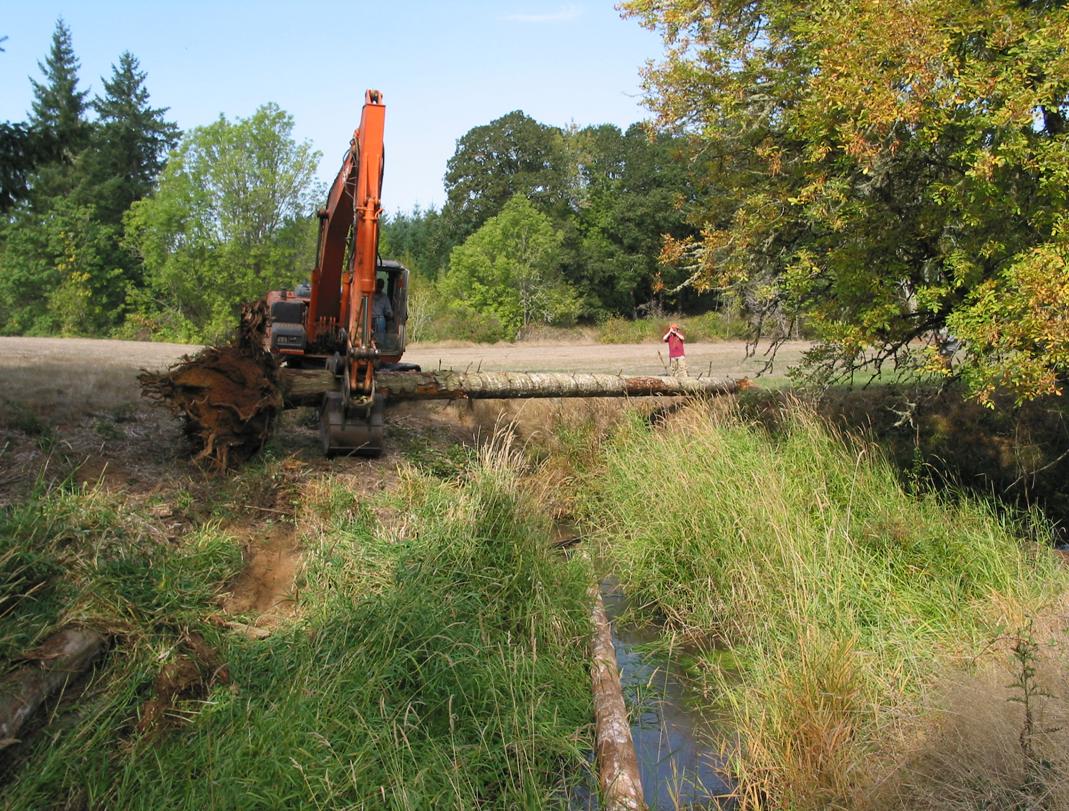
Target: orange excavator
column 337, row 342
column 351, row 318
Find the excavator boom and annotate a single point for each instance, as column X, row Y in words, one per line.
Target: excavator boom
column 331, row 326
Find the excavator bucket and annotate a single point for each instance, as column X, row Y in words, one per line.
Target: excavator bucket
column 346, row 430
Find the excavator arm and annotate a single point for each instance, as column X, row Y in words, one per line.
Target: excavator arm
column 331, row 326
column 340, row 296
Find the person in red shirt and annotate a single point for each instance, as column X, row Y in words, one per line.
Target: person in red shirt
column 677, row 361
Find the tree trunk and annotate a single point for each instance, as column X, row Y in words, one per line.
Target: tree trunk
column 64, row 656
column 306, row 386
column 618, row 775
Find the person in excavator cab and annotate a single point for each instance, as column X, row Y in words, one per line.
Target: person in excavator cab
column 381, row 309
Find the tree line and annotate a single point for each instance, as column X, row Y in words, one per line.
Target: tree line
column 543, row 224
column 115, row 223
column 894, row 173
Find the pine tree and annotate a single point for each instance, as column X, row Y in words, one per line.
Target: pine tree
column 58, row 105
column 129, row 143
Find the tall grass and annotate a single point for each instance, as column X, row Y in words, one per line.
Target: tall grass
column 439, row 662
column 72, row 554
column 839, row 593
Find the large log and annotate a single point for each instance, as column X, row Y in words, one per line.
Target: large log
column 307, row 386
column 64, row 656
column 618, row 774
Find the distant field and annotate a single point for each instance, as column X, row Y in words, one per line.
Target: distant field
column 69, row 376
column 91, row 358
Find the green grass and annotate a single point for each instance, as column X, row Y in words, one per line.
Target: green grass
column 838, row 592
column 439, row 662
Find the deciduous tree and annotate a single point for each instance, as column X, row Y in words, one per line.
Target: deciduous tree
column 890, row 168
column 510, row 269
column 230, row 221
column 511, row 155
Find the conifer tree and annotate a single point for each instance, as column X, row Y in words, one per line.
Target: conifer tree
column 129, row 143
column 58, row 105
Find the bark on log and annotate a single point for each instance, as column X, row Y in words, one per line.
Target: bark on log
column 306, row 386
column 63, row 657
column 618, row 775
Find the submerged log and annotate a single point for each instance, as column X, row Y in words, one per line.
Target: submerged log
column 64, row 656
column 618, row 775
column 306, row 386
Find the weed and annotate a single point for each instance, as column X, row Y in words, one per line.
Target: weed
column 20, row 417
column 444, row 463
column 1027, row 692
column 107, row 429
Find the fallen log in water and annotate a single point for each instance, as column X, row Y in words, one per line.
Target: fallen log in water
column 307, row 386
column 64, row 656
column 618, row 775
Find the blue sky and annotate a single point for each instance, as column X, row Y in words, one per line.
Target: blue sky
column 443, row 67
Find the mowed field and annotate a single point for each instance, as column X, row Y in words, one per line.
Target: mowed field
column 68, row 376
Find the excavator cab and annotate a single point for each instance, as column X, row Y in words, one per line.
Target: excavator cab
column 391, row 339
column 287, row 337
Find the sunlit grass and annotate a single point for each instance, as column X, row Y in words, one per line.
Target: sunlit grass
column 438, row 659
column 838, row 591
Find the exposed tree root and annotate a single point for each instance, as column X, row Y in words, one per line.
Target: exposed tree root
column 227, row 395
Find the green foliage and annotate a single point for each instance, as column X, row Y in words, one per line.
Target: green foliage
column 227, row 223
column 55, row 273
column 58, row 105
column 62, row 268
column 128, row 144
column 612, row 197
column 441, row 665
column 630, row 189
column 510, row 269
column 890, row 169
column 419, row 240
column 494, row 162
column 22, row 148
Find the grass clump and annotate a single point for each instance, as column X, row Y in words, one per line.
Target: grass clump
column 839, row 592
column 442, row 667
column 80, row 555
column 438, row 661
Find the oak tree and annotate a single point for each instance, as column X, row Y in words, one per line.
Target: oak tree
column 897, row 171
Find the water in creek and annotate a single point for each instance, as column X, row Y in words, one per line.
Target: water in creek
column 672, row 738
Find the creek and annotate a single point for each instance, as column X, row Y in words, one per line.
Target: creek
column 673, row 738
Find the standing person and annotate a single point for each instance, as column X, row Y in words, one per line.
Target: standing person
column 677, row 360
column 380, row 311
